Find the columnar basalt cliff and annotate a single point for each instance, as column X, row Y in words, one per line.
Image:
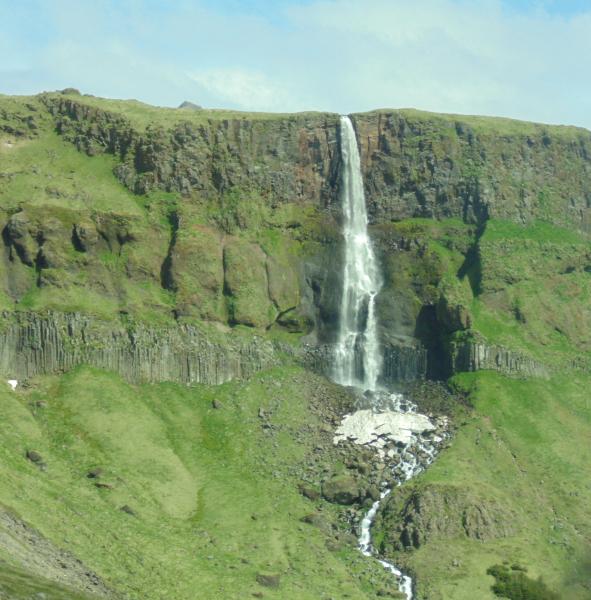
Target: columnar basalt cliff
column 477, row 356
column 33, row 344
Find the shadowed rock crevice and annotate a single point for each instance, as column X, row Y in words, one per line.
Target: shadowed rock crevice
column 166, row 276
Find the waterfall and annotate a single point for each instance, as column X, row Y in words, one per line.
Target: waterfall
column 358, row 360
column 358, row 356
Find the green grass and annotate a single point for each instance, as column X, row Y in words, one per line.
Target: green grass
column 48, row 171
column 526, row 448
column 215, row 495
column 538, row 231
column 485, row 124
column 142, row 115
column 534, row 291
column 18, row 584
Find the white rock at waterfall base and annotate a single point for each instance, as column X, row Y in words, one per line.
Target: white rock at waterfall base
column 368, row 428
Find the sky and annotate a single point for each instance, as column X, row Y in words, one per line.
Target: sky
column 526, row 59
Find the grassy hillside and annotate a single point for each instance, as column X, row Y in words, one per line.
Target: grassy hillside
column 514, row 486
column 211, row 493
column 522, row 459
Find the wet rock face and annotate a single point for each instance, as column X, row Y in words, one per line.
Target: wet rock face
column 401, row 362
column 413, row 517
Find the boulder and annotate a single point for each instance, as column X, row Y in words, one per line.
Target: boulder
column 309, row 492
column 270, row 580
column 34, row 456
column 341, row 489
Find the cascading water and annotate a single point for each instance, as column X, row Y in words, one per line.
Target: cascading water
column 358, row 360
column 358, row 357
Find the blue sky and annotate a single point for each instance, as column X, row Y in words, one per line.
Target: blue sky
column 518, row 58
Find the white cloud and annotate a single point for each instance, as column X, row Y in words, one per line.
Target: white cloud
column 243, row 89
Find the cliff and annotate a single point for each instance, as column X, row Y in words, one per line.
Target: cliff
column 414, row 164
column 200, row 246
column 120, row 211
column 32, row 344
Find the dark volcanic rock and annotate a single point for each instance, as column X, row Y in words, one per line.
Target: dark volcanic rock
column 341, row 489
column 187, row 105
column 270, row 580
column 32, row 344
column 34, row 456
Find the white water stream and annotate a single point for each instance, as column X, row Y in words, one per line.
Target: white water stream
column 358, row 357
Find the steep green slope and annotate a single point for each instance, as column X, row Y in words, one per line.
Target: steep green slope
column 210, row 493
column 513, row 487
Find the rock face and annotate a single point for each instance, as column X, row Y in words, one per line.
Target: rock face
column 235, row 220
column 415, row 164
column 412, row 517
column 477, row 356
column 401, row 363
column 33, row 344
column 451, row 166
column 288, row 159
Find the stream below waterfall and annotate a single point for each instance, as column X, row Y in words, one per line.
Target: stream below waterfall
column 389, row 423
column 415, row 456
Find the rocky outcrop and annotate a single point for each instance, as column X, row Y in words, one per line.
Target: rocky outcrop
column 401, row 363
column 40, row 558
column 412, row 517
column 477, row 356
column 32, row 344
column 428, row 165
column 290, row 158
column 414, row 164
